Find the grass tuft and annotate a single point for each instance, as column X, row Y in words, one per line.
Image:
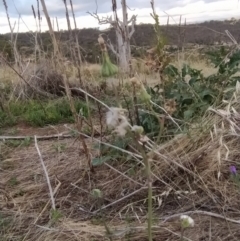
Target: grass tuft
column 40, row 112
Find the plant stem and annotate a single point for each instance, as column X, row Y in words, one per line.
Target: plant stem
column 149, row 181
column 148, row 169
column 182, row 234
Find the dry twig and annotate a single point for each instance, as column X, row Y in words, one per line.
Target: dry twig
column 46, row 174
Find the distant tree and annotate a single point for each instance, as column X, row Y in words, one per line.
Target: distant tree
column 123, row 34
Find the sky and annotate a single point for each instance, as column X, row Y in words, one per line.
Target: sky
column 21, row 16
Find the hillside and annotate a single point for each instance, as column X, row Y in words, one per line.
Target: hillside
column 206, row 33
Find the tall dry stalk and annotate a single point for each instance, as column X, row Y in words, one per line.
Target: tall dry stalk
column 57, row 24
column 57, row 54
column 39, row 29
column 76, row 38
column 8, row 18
column 72, row 49
column 36, row 47
column 13, row 41
column 76, row 58
column 67, row 17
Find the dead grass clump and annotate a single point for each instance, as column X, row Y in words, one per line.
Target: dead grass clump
column 45, row 78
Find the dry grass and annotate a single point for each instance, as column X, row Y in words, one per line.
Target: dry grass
column 207, row 68
column 191, row 173
column 44, row 77
column 7, row 75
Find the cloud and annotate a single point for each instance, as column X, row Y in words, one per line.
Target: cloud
column 192, row 10
column 56, row 7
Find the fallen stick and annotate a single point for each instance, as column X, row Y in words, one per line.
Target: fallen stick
column 119, row 200
column 61, row 135
column 46, row 174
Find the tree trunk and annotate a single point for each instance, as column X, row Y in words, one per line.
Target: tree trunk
column 123, row 39
column 122, row 53
column 123, row 35
column 126, row 37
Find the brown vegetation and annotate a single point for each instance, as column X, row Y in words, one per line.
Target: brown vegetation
column 207, row 33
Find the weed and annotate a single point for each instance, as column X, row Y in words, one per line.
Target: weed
column 4, row 223
column 40, row 113
column 13, row 181
column 20, row 193
column 17, row 143
column 55, row 216
column 59, row 147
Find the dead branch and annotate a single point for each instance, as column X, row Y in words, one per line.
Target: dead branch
column 134, row 155
column 103, row 20
column 133, row 22
column 46, row 174
column 119, row 200
column 129, row 178
column 110, row 46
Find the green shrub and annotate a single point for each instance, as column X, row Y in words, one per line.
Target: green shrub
column 192, row 92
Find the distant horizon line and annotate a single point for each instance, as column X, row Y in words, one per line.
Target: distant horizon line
column 105, row 29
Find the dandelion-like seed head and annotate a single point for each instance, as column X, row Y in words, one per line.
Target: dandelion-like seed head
column 137, row 129
column 186, row 221
column 113, row 116
column 121, row 129
column 226, row 60
column 187, row 78
column 116, row 119
column 100, row 40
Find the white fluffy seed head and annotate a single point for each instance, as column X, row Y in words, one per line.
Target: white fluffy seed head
column 186, row 221
column 113, row 116
column 187, row 78
column 121, row 129
column 116, row 119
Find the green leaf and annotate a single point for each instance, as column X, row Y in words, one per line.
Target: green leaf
column 99, row 161
column 188, row 100
column 188, row 114
column 97, row 193
column 171, row 71
column 192, row 81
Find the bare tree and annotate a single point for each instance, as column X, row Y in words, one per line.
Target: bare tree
column 123, row 31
